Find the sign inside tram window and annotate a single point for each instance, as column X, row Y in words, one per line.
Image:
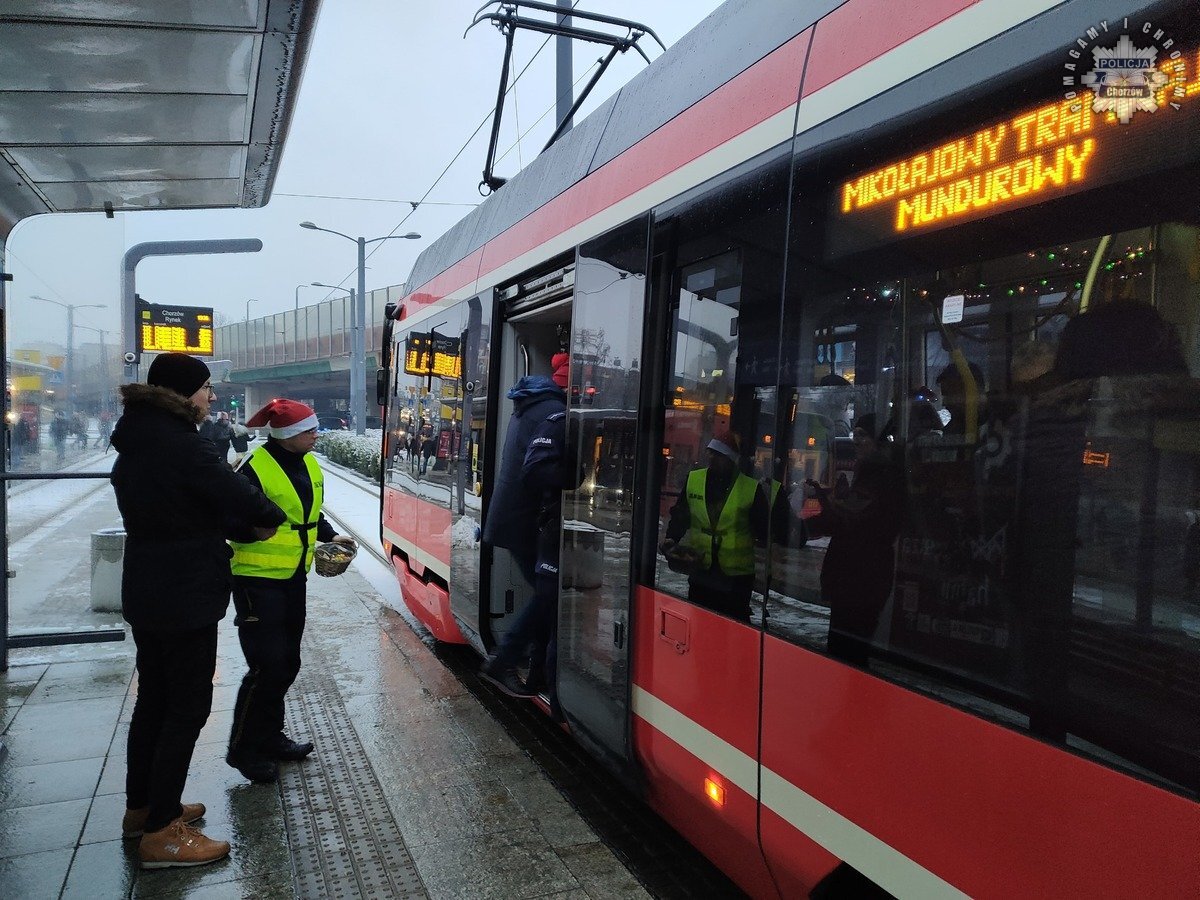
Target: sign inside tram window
column 417, row 354
column 952, row 309
column 432, row 354
column 174, row 329
column 1045, row 151
column 447, row 363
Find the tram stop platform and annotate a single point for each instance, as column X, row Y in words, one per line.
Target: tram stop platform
column 414, row 790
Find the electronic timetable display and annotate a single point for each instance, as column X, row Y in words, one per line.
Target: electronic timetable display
column 174, row 329
column 1050, row 150
column 432, row 354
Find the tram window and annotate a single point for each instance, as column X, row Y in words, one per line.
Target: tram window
column 425, row 408
column 716, row 417
column 1018, row 533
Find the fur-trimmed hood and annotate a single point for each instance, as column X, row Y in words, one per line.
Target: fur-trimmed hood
column 162, row 398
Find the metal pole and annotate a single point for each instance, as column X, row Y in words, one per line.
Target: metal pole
column 70, row 364
column 563, row 71
column 136, row 254
column 358, row 386
column 296, row 327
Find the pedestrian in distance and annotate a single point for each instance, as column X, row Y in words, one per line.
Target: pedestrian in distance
column 104, row 424
column 269, row 587
column 239, row 441
column 60, row 428
column 176, row 498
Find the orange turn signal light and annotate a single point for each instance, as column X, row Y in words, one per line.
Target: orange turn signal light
column 715, row 792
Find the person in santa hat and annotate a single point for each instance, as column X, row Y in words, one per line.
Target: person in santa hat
column 269, row 579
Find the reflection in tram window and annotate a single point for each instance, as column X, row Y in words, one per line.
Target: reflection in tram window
column 721, row 500
column 1034, row 392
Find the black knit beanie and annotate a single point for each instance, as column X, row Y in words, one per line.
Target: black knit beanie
column 179, row 372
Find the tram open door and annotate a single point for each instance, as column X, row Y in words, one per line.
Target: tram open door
column 533, row 323
column 599, row 312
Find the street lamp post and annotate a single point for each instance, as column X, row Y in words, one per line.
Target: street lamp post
column 296, row 326
column 69, row 363
column 358, row 353
column 249, row 346
column 356, row 365
column 106, row 399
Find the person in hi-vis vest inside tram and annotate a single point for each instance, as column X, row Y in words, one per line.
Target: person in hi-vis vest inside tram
column 714, row 526
column 269, row 580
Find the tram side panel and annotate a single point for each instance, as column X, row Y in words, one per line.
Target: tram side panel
column 990, row 715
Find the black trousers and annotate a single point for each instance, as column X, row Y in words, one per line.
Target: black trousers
column 174, row 697
column 270, row 621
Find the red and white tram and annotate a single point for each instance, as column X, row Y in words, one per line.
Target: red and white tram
column 805, row 213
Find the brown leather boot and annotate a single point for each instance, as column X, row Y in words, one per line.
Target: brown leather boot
column 134, row 822
column 179, row 845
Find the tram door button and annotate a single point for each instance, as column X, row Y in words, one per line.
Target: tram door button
column 673, row 628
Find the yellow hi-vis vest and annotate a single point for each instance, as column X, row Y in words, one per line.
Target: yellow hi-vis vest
column 730, row 542
column 279, row 556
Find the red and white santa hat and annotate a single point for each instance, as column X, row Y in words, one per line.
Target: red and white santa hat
column 287, row 418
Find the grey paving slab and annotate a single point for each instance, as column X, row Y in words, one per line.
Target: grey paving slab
column 48, row 782
column 35, row 875
column 271, row 886
column 104, row 819
column 450, row 812
column 83, row 680
column 505, row 866
column 102, row 870
column 48, row 826
column 54, row 732
column 558, row 823
column 599, row 872
column 112, row 776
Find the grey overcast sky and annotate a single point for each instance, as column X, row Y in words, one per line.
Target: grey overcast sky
column 392, row 90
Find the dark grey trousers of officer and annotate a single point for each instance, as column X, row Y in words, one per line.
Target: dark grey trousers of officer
column 270, row 621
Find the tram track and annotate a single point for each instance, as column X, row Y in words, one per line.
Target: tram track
column 664, row 863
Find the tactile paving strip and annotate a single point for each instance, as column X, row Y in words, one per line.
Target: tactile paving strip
column 343, row 837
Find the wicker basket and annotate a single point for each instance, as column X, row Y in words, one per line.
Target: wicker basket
column 333, row 558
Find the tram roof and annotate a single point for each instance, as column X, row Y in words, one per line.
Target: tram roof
column 734, row 37
column 145, row 104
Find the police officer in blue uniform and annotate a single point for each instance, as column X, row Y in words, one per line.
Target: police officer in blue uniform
column 539, row 483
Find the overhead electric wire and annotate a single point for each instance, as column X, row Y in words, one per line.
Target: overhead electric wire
column 460, row 152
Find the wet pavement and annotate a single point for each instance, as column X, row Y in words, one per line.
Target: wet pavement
column 415, row 789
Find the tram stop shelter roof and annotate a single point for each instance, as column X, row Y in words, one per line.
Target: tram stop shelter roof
column 145, row 104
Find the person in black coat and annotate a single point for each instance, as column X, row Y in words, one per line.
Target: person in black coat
column 539, row 406
column 860, row 564
column 175, row 496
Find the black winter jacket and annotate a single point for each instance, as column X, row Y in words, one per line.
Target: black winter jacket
column 511, row 519
column 175, row 492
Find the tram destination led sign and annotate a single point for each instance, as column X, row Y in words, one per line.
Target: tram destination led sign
column 432, row 354
column 1043, row 152
column 178, row 329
